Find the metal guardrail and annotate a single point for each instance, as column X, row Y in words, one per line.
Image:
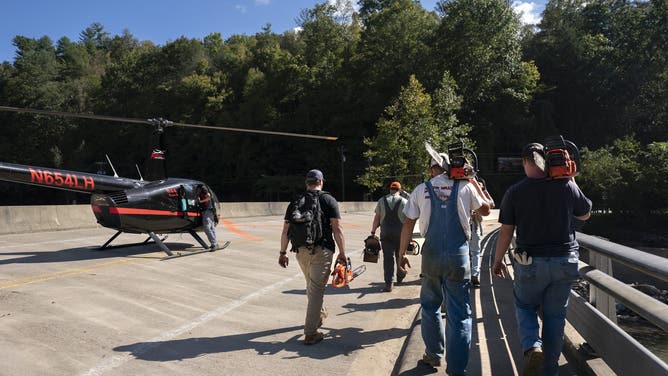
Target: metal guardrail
column 596, row 320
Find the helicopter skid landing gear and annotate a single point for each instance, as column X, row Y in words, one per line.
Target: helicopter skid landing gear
column 110, row 240
column 170, row 255
column 160, row 244
column 107, row 246
column 199, row 240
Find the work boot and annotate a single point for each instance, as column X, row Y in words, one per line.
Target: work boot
column 533, row 361
column 475, row 281
column 431, row 362
column 388, row 287
column 312, row 339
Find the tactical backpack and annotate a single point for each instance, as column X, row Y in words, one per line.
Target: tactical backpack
column 305, row 221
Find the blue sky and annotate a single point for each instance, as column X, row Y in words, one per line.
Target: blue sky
column 164, row 20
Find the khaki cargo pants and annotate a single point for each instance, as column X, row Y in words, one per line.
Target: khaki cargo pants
column 316, row 267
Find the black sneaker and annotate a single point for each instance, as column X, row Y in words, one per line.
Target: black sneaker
column 475, row 281
column 400, row 277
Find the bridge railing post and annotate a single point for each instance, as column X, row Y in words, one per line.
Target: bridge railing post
column 604, row 303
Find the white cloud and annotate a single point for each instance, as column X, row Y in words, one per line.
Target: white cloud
column 528, row 11
column 344, row 9
column 338, row 3
column 240, row 8
column 262, row 2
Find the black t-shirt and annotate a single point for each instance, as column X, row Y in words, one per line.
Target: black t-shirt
column 543, row 212
column 330, row 209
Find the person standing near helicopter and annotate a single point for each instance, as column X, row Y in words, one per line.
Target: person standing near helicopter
column 208, row 211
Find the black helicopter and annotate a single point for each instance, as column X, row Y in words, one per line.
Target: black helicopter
column 157, row 206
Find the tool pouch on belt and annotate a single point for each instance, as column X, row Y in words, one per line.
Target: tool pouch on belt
column 371, row 248
column 522, row 258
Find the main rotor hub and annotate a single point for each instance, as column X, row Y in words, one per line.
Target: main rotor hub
column 160, row 124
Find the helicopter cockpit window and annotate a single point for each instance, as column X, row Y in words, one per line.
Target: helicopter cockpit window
column 190, row 196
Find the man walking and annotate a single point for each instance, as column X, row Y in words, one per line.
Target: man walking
column 541, row 212
column 443, row 207
column 312, row 224
column 475, row 249
column 390, row 216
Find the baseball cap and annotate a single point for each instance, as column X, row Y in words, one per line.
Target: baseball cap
column 528, row 150
column 315, row 175
column 395, row 185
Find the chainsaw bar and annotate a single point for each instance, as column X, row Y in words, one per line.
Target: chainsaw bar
column 358, row 270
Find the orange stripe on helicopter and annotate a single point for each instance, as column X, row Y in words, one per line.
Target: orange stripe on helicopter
column 135, row 211
column 230, row 226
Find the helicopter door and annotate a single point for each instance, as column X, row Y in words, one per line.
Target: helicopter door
column 190, row 201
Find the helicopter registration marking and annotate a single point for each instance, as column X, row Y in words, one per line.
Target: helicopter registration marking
column 61, row 180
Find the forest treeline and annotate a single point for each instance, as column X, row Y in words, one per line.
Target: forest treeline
column 384, row 79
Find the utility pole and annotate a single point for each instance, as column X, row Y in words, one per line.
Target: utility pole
column 342, row 150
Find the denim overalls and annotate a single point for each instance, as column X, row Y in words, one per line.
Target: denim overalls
column 446, row 275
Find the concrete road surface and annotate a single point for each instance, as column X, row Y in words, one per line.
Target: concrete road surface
column 68, row 309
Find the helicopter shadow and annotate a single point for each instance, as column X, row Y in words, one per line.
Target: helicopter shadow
column 89, row 253
column 337, row 342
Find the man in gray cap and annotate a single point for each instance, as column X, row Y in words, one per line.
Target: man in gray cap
column 313, row 226
column 541, row 212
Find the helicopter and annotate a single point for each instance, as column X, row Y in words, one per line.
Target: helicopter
column 157, row 206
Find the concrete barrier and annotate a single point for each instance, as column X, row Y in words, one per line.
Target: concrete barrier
column 26, row 219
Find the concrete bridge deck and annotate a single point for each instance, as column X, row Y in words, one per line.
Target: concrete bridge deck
column 66, row 309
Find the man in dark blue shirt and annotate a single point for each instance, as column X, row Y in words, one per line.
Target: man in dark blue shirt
column 541, row 212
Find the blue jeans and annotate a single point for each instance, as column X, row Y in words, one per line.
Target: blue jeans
column 476, row 252
column 209, row 223
column 544, row 285
column 446, row 277
column 390, row 254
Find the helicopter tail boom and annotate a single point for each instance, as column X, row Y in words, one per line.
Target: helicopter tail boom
column 64, row 179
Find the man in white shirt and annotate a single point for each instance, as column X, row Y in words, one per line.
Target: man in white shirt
column 443, row 207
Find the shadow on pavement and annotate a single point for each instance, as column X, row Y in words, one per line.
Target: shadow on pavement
column 87, row 253
column 337, row 342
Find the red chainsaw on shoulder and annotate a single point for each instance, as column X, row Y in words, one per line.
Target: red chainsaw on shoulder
column 343, row 273
column 562, row 158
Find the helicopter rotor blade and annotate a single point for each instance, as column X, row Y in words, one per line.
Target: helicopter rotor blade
column 153, row 121
column 290, row 134
column 74, row 115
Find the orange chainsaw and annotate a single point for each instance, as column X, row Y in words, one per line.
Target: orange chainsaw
column 343, row 273
column 562, row 158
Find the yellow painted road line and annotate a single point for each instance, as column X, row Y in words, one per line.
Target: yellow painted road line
column 64, row 273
